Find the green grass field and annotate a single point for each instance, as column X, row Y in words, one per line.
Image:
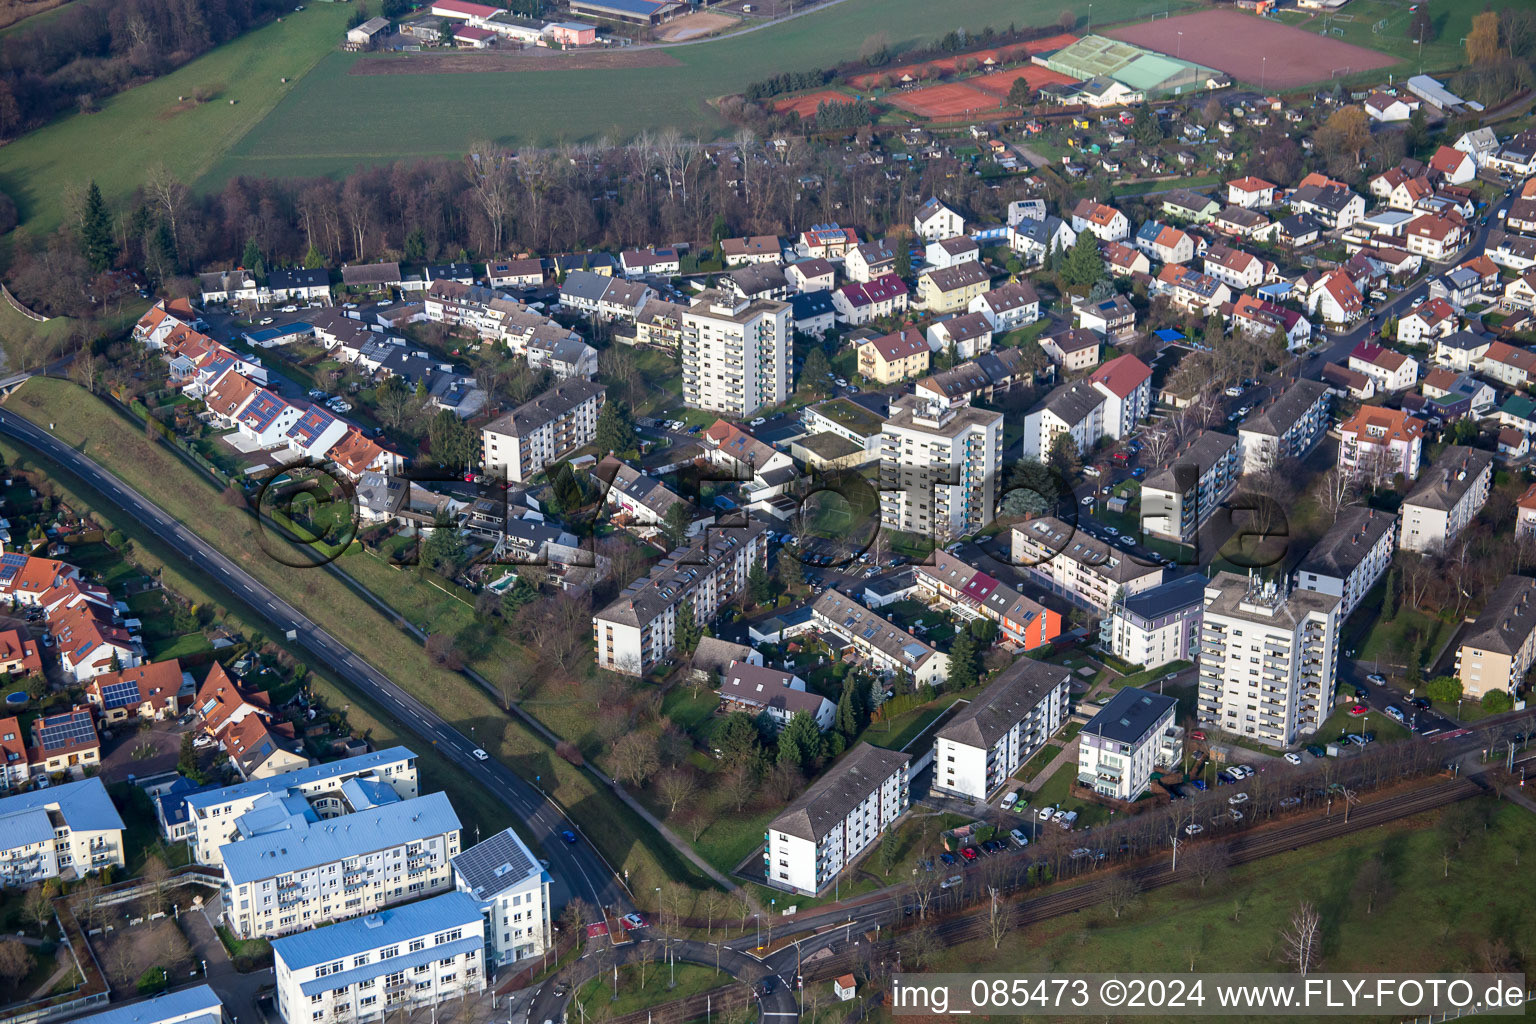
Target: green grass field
column 334, row 120
column 147, row 124
column 1383, row 25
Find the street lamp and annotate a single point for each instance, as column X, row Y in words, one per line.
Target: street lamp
column 1180, row 51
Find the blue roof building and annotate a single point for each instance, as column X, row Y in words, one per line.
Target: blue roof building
column 417, row 953
column 61, row 830
column 196, row 1005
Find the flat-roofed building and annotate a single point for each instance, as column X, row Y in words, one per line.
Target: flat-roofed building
column 1157, row 626
column 1130, row 737
column 511, row 887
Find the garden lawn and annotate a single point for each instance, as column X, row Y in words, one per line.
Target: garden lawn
column 1341, row 722
column 595, row 999
column 1388, row 641
column 92, row 427
column 335, row 120
column 1428, row 920
column 148, row 124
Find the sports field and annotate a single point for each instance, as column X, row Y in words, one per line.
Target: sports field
column 999, row 82
column 1003, row 55
column 952, row 99
column 1253, row 49
column 335, row 121
column 806, row 103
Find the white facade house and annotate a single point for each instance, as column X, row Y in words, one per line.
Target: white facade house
column 1448, row 495
column 1287, row 427
column 1130, row 737
column 841, row 815
column 216, row 815
column 1075, row 410
column 310, row 871
column 392, row 961
column 1126, row 384
column 939, row 468
column 980, row 748
column 1105, row 223
column 1078, row 566
column 934, row 221
column 886, row 648
column 1390, row 369
column 1267, row 660
column 1008, row 306
column 511, row 887
column 735, row 353
column 780, row 695
column 1157, row 626
column 521, row 443
column 1179, row 498
column 1348, row 560
column 60, row 831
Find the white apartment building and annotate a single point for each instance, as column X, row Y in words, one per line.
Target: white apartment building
column 736, row 356
column 1448, row 495
column 60, row 831
column 521, row 443
column 934, row 221
column 392, row 961
column 511, row 888
column 1377, row 443
column 840, row 816
column 886, row 648
column 311, row 872
column 1179, row 498
column 1126, row 384
column 1347, row 561
column 215, row 817
column 1130, row 737
column 1078, row 566
column 1075, row 409
column 1158, row 626
column 939, row 468
column 1390, row 369
column 1267, row 660
column 980, row 748
column 1286, row 428
column 639, row 628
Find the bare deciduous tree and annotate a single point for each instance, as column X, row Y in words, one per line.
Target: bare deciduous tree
column 999, row 917
column 1122, row 893
column 1300, row 938
column 676, row 786
column 488, row 168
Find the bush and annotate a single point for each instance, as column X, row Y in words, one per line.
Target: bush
column 1496, row 701
column 569, row 751
column 152, row 981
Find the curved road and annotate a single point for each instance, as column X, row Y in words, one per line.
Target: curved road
column 576, row 869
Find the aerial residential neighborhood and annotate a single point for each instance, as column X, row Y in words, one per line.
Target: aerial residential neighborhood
column 658, row 512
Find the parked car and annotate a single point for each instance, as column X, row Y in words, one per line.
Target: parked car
column 1316, row 751
column 1010, row 799
column 1422, row 703
column 1194, row 828
column 948, row 858
column 1044, row 813
column 1292, row 757
column 1376, row 678
column 1358, row 709
column 1237, row 798
column 968, row 852
column 1394, row 712
column 1018, row 837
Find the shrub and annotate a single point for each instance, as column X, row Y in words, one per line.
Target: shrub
column 152, row 981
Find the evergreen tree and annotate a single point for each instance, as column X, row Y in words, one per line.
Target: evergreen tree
column 675, row 524
column 847, row 720
column 1083, row 265
column 416, row 246
column 251, row 259
column 963, row 661
column 760, row 583
column 160, row 252
column 615, row 429
column 96, row 238
column 800, row 742
column 1064, row 455
column 688, row 631
column 737, row 737
column 813, row 375
column 314, row 259
column 903, row 259
column 1389, row 598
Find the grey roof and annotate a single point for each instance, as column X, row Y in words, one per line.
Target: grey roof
column 1173, row 596
column 1129, row 714
column 1508, row 618
column 1013, row 295
column 316, row 278
column 1286, row 411
column 855, row 622
column 1073, row 402
column 1005, row 702
column 677, row 574
column 840, row 789
column 966, row 326
column 810, row 305
column 715, row 655
column 380, row 493
column 497, row 864
column 947, row 279
column 757, row 279
column 1085, row 549
column 548, row 407
column 1187, row 199
column 958, row 244
column 769, row 688
column 307, row 845
column 1351, row 537
column 1204, row 452
column 371, row 273
column 584, row 284
column 626, row 479
column 1449, row 479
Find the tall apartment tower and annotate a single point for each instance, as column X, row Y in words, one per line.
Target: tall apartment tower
column 1267, row 658
column 736, row 354
column 939, row 468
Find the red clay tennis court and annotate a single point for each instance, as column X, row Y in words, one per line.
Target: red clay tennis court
column 951, row 99
column 1251, row 48
column 999, row 82
column 805, row 105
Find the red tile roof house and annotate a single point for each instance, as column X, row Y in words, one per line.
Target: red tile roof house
column 1431, row 319
column 1435, row 237
column 1453, row 166
column 1106, row 223
column 1336, row 298
column 19, row 655
column 148, row 692
column 90, row 643
column 828, row 241
column 25, row 579
column 1250, row 192
column 14, row 766
column 474, row 38
column 219, row 702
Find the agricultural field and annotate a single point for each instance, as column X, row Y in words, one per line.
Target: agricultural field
column 151, row 124
column 335, row 119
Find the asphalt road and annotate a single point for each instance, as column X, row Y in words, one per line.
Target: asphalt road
column 576, row 869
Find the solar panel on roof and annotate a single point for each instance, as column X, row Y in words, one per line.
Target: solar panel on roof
column 13, row 558
column 119, row 695
column 65, row 730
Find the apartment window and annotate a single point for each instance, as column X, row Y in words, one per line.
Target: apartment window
column 418, row 944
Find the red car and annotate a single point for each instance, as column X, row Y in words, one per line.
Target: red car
column 969, row 853
column 1122, row 457
column 1197, row 735
column 1359, row 709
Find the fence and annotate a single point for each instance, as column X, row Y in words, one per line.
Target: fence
column 23, row 310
